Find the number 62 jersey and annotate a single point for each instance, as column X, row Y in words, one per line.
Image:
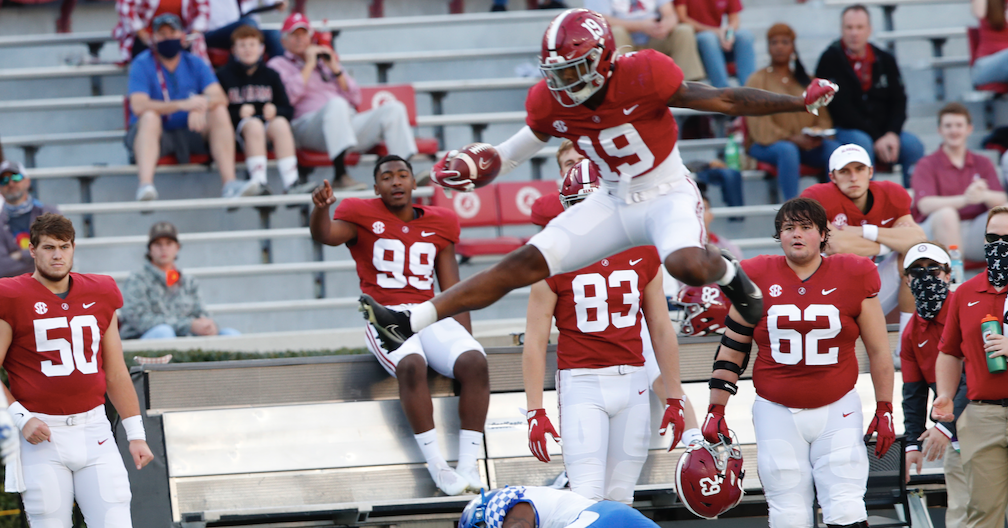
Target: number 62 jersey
column 395, row 259
column 807, row 334
column 54, row 362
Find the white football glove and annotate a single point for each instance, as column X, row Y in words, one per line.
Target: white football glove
column 10, row 441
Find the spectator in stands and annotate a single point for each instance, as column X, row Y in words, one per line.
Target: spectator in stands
column 135, row 30
column 176, row 106
column 954, row 188
column 991, row 64
column 928, row 272
column 715, row 172
column 19, row 210
column 717, row 43
column 259, row 108
column 325, row 99
column 228, row 15
column 652, row 24
column 787, row 141
column 870, row 107
column 159, row 301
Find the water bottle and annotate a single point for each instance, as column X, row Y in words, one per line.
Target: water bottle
column 958, row 274
column 731, row 153
column 992, row 325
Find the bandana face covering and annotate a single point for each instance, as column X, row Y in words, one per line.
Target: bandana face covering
column 997, row 263
column 929, row 294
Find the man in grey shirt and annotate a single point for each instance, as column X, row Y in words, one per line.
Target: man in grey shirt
column 19, row 210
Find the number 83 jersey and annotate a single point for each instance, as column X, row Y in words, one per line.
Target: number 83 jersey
column 807, row 334
column 395, row 259
column 54, row 362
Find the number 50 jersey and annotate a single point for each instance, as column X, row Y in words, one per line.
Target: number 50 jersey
column 395, row 259
column 54, row 362
column 806, row 336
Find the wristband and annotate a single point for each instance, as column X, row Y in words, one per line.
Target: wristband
column 870, row 232
column 20, row 415
column 884, row 250
column 941, row 428
column 134, row 428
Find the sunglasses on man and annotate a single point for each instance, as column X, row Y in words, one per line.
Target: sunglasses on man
column 6, row 179
column 991, row 238
column 919, row 272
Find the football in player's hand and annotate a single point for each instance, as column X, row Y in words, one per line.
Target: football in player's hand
column 478, row 162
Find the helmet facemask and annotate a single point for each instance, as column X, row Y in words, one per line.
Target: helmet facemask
column 579, row 78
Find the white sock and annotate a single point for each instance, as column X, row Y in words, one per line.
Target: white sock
column 690, row 435
column 905, row 318
column 422, row 316
column 256, row 168
column 428, row 443
column 288, row 170
column 729, row 273
column 470, row 444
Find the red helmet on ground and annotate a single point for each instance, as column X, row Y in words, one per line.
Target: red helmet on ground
column 702, row 310
column 578, row 50
column 709, row 477
column 581, row 180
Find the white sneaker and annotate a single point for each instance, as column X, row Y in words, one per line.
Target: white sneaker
column 448, row 481
column 472, row 476
column 238, row 188
column 146, row 193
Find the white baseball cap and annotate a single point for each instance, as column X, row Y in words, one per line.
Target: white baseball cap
column 926, row 251
column 849, row 153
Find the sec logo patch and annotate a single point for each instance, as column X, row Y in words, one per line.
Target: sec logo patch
column 378, row 227
column 41, row 308
column 776, row 290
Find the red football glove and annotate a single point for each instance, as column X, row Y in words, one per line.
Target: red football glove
column 450, row 178
column 539, row 425
column 883, row 425
column 674, row 417
column 714, row 427
column 819, row 94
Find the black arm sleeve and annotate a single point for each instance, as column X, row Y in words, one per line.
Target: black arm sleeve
column 915, row 395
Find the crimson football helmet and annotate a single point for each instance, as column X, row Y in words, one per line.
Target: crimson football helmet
column 709, row 477
column 702, row 310
column 578, row 50
column 581, row 180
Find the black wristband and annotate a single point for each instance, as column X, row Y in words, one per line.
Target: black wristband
column 727, row 386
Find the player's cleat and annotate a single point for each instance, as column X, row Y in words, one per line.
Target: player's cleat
column 472, row 477
column 448, row 481
column 744, row 294
column 393, row 326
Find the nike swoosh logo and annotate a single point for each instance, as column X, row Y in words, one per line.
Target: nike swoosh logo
column 88, row 305
column 848, row 414
column 641, row 391
column 628, row 111
column 533, row 423
column 972, row 303
column 829, row 291
column 429, row 443
column 884, row 222
column 426, row 234
column 924, row 343
column 484, row 166
column 103, row 441
column 634, row 262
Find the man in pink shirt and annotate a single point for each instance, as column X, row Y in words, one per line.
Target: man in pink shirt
column 325, row 99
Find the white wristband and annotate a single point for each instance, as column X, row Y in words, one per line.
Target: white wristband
column 20, row 415
column 870, row 232
column 884, row 250
column 134, row 428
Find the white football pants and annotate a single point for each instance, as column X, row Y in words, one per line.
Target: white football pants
column 605, row 424
column 440, row 344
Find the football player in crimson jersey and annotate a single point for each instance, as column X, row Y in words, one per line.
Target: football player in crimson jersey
column 602, row 382
column 871, row 219
column 399, row 247
column 59, row 343
column 616, row 111
column 807, row 414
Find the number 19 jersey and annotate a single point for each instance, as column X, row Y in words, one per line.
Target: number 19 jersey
column 54, row 362
column 395, row 259
column 806, row 337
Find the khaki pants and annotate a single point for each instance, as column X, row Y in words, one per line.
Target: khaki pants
column 983, row 439
column 956, row 489
column 680, row 44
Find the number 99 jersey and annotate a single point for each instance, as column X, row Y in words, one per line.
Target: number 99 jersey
column 395, row 259
column 806, row 336
column 54, row 362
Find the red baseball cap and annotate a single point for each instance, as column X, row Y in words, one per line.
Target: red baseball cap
column 296, row 21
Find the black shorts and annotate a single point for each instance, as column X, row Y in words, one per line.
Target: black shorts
column 182, row 143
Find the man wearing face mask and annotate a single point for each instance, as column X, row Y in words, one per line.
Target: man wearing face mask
column 177, row 106
column 927, row 268
column 983, row 425
column 19, row 210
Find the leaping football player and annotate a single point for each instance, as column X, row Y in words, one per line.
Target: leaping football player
column 602, row 383
column 616, row 111
column 807, row 413
column 60, row 346
column 399, row 247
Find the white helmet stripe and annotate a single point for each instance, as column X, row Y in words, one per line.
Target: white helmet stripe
column 585, row 172
column 551, row 31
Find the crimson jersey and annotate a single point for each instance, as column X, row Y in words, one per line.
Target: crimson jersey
column 889, row 201
column 598, row 310
column 546, row 208
column 54, row 362
column 395, row 259
column 632, row 131
column 806, row 336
